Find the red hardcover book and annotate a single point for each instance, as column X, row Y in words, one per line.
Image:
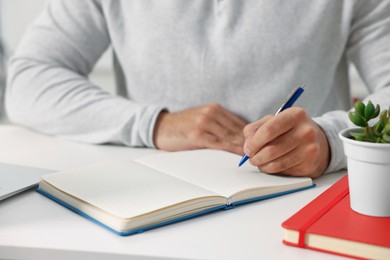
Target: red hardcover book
column 329, row 224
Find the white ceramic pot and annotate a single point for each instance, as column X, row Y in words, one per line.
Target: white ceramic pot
column 368, row 175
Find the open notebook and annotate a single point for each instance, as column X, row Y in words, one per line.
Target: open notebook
column 132, row 196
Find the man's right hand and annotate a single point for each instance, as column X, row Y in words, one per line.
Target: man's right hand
column 209, row 126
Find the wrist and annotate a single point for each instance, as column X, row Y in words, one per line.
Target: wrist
column 326, row 151
column 158, row 127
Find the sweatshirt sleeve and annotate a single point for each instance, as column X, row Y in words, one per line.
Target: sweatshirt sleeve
column 369, row 50
column 48, row 89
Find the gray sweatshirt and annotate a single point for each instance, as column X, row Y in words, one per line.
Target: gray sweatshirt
column 245, row 55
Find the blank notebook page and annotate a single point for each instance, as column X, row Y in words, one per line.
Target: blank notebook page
column 215, row 170
column 124, row 188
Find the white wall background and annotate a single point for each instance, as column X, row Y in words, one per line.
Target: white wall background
column 16, row 15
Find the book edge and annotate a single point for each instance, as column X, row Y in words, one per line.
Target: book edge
column 273, row 195
column 130, row 232
column 153, row 226
column 370, row 252
column 320, row 250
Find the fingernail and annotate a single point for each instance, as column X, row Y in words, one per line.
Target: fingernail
column 248, row 152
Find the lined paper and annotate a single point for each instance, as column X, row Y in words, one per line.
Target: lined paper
column 124, row 188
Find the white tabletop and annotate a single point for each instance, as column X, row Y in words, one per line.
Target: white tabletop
column 34, row 227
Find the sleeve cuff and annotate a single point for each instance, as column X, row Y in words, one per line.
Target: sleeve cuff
column 147, row 124
column 331, row 129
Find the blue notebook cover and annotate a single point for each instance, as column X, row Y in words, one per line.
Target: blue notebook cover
column 140, row 230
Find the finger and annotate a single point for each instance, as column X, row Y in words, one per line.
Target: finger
column 234, row 118
column 210, row 134
column 225, row 125
column 303, row 134
column 230, row 121
column 251, row 128
column 232, row 125
column 273, row 128
column 300, row 170
column 217, row 111
column 299, row 162
column 233, row 136
column 276, row 148
column 283, row 163
column 211, row 141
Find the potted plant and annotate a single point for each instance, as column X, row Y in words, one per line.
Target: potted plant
column 368, row 157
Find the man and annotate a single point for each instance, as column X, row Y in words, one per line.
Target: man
column 192, row 74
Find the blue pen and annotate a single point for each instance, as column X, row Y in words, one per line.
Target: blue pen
column 288, row 103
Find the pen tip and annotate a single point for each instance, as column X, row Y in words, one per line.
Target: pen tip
column 243, row 159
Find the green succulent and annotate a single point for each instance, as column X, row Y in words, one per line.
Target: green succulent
column 377, row 133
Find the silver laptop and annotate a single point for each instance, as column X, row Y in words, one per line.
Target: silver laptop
column 17, row 178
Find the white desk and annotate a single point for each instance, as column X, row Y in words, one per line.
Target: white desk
column 34, row 227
